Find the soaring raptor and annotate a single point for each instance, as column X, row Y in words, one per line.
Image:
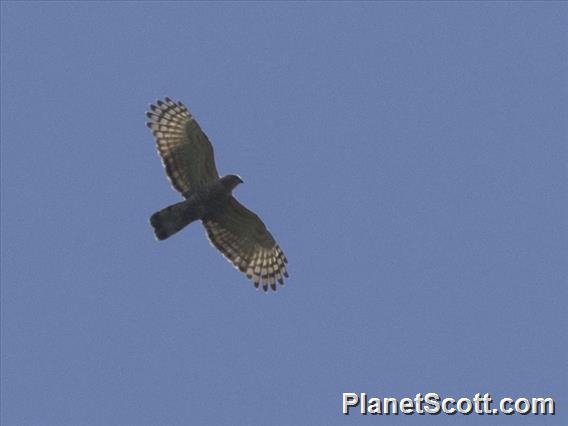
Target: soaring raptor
column 238, row 233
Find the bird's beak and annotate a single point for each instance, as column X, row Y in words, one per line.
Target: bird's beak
column 240, row 179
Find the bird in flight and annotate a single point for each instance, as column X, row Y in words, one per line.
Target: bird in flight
column 238, row 233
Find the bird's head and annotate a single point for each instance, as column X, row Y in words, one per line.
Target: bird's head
column 231, row 181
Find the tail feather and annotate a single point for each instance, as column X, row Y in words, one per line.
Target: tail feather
column 172, row 219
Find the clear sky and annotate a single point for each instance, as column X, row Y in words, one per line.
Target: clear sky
column 410, row 159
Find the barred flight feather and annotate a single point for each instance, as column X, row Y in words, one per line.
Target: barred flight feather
column 263, row 266
column 186, row 153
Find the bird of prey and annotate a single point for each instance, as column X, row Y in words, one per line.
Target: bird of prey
column 238, row 233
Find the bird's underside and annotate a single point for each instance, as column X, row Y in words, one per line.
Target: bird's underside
column 238, row 233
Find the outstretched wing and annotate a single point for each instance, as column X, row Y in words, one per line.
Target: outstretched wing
column 186, row 152
column 243, row 239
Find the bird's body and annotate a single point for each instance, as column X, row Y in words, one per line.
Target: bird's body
column 203, row 203
column 234, row 230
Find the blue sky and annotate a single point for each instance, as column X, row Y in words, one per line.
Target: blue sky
column 410, row 159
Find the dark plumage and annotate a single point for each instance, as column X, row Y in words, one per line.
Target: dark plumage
column 235, row 231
